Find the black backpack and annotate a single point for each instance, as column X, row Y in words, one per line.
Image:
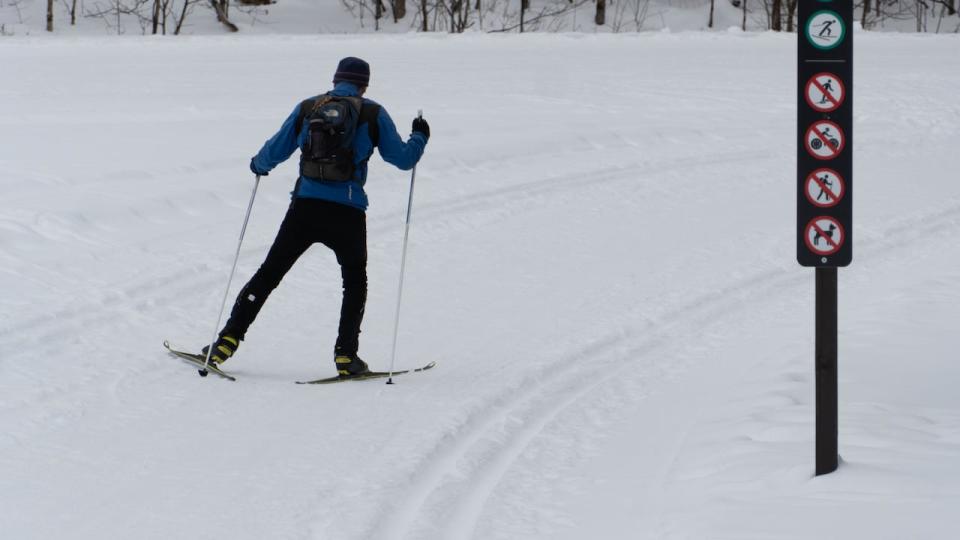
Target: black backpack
column 332, row 122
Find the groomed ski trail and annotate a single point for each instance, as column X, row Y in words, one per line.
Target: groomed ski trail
column 446, row 495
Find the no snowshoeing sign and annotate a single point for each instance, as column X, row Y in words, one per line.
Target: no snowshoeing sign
column 825, row 133
column 825, row 92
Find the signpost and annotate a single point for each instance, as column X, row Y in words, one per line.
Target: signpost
column 825, row 186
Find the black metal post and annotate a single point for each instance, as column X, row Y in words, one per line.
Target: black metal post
column 826, row 371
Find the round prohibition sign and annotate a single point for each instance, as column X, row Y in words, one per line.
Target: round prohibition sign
column 824, row 235
column 825, row 92
column 825, row 30
column 825, row 187
column 825, row 140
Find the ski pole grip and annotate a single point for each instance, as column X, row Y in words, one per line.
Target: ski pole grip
column 419, row 113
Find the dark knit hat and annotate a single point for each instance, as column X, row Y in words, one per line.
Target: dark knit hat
column 353, row 70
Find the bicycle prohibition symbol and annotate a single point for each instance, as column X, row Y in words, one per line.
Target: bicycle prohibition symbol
column 825, row 140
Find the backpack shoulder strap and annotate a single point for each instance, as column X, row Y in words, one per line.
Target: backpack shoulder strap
column 306, row 107
column 369, row 113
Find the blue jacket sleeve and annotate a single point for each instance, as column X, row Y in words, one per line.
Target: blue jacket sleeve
column 404, row 155
column 276, row 150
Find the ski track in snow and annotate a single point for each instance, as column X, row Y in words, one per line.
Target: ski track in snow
column 165, row 290
column 461, row 474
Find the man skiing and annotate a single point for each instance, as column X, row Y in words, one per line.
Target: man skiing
column 336, row 133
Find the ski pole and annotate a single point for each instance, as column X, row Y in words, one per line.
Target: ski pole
column 403, row 264
column 226, row 293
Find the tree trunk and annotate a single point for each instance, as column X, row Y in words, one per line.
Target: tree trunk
column 49, row 15
column 743, row 25
column 601, row 17
column 524, row 4
column 155, row 19
column 222, row 15
column 164, row 11
column 710, row 22
column 423, row 15
column 866, row 11
column 399, row 9
column 183, row 16
column 776, row 24
column 73, row 13
column 791, row 11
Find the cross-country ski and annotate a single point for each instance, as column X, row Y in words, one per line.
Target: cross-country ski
column 367, row 375
column 197, row 360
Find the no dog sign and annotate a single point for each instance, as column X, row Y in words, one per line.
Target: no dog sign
column 824, row 235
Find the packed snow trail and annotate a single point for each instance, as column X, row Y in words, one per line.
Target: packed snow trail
column 601, row 261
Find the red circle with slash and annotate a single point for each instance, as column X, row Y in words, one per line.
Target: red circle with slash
column 821, row 94
column 825, row 187
column 825, row 140
column 824, row 235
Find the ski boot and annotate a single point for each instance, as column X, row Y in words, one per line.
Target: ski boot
column 223, row 349
column 349, row 365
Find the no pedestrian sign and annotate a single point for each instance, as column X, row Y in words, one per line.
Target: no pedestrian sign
column 825, row 188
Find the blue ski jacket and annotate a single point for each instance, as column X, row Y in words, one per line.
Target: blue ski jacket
column 392, row 148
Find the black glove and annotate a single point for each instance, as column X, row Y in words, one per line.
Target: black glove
column 421, row 126
column 254, row 170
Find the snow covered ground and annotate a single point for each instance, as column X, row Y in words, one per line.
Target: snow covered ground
column 601, row 261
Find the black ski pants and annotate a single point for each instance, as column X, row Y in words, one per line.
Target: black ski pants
column 308, row 221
